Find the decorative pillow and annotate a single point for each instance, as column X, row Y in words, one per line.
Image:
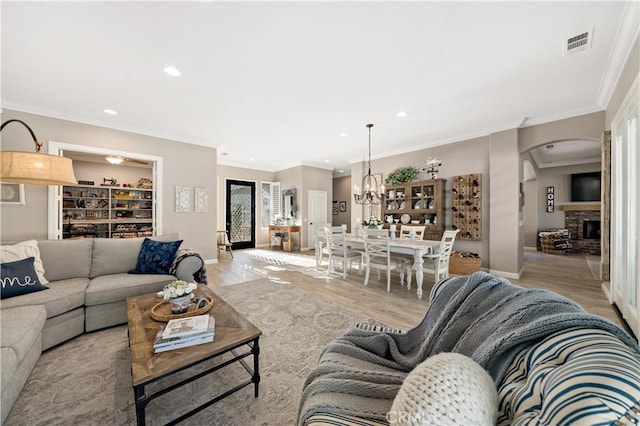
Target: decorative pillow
column 155, row 257
column 19, row 278
column 446, row 389
column 24, row 250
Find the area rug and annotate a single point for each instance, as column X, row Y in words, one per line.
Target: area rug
column 87, row 380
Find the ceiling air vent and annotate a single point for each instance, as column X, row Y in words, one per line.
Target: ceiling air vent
column 578, row 42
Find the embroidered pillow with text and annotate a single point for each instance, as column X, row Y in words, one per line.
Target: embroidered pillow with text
column 19, row 278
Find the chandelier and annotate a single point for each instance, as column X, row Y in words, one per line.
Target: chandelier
column 372, row 191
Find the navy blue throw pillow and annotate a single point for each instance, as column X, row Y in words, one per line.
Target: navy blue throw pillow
column 19, row 278
column 156, row 257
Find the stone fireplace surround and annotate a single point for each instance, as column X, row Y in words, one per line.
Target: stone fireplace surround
column 574, row 217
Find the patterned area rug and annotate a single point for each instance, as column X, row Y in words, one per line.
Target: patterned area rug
column 87, row 380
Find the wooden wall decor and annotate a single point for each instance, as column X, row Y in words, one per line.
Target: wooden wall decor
column 467, row 206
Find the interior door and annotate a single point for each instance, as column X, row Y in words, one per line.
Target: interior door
column 317, row 213
column 241, row 213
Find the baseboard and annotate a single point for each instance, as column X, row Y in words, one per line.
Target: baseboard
column 530, row 248
column 607, row 291
column 210, row 261
column 512, row 275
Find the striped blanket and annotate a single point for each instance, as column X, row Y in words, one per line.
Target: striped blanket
column 481, row 316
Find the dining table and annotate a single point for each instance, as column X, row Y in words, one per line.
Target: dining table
column 415, row 248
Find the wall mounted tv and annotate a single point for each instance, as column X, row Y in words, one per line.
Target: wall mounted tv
column 585, row 186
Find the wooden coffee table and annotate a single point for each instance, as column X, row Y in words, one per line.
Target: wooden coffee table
column 232, row 333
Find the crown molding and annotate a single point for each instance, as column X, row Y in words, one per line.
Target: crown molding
column 628, row 32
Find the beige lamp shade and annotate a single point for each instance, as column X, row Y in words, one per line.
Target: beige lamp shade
column 36, row 169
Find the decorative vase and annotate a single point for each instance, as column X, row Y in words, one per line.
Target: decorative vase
column 180, row 305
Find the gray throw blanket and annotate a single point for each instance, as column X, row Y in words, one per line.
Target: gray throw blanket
column 481, row 316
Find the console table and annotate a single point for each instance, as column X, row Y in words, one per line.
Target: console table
column 287, row 245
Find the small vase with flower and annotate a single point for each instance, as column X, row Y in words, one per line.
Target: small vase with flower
column 179, row 293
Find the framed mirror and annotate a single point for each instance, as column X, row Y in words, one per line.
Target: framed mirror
column 289, row 203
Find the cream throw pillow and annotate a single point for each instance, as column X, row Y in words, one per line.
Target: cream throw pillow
column 24, row 250
column 446, row 389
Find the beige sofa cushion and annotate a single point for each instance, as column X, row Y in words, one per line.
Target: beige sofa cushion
column 62, row 296
column 117, row 287
column 117, row 256
column 20, row 327
column 65, row 259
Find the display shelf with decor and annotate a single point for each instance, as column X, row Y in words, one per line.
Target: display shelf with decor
column 104, row 212
column 467, row 206
column 420, row 201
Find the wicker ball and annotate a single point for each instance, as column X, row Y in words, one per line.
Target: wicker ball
column 446, row 389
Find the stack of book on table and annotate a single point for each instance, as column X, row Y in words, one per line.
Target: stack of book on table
column 184, row 332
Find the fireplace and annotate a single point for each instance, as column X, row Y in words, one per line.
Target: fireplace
column 583, row 223
column 591, row 229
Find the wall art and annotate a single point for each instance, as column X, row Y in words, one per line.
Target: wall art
column 183, row 197
column 12, row 193
column 201, row 201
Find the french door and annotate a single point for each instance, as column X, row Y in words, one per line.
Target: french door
column 241, row 213
column 625, row 208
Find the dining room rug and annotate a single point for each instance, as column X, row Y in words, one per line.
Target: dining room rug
column 87, row 380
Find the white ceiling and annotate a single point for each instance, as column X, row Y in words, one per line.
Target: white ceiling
column 273, row 84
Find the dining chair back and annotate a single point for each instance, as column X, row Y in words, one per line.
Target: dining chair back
column 406, row 231
column 439, row 261
column 321, row 243
column 377, row 255
column 338, row 250
column 223, row 243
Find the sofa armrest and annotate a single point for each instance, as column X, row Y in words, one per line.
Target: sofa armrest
column 188, row 266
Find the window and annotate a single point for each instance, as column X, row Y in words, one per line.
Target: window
column 270, row 201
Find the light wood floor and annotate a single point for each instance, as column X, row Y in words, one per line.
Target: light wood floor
column 567, row 275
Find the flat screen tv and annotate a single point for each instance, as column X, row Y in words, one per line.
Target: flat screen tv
column 585, row 186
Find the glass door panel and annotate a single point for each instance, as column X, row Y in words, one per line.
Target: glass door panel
column 241, row 214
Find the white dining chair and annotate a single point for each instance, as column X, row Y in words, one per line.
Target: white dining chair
column 406, row 230
column 438, row 263
column 377, row 255
column 338, row 250
column 321, row 244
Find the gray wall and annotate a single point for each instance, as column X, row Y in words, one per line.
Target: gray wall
column 560, row 179
column 92, row 171
column 316, row 179
column 505, row 232
column 342, row 192
column 183, row 164
column 470, row 156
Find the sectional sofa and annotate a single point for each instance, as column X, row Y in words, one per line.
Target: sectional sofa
column 87, row 290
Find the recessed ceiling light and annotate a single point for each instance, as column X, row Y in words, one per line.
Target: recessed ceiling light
column 326, row 161
column 173, row 72
column 252, row 159
column 110, row 112
column 401, row 114
column 340, row 171
column 344, row 135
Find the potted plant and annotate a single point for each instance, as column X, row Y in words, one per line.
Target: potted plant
column 178, row 293
column 372, row 222
column 402, row 175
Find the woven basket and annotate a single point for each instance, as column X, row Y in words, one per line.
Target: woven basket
column 464, row 265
